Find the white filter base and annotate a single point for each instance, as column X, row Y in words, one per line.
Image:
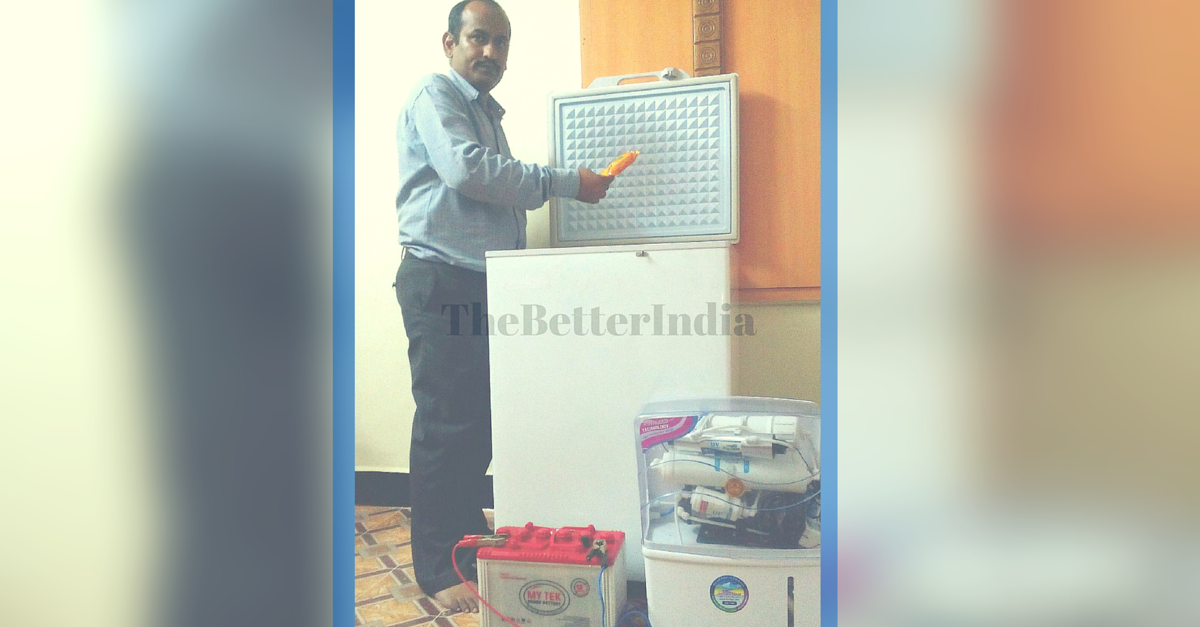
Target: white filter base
column 687, row 590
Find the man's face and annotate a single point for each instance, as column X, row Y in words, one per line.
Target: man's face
column 481, row 53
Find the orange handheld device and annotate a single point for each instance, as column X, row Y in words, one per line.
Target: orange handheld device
column 620, row 163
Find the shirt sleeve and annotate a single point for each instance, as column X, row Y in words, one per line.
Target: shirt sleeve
column 475, row 170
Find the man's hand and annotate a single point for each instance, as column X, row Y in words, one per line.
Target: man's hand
column 592, row 186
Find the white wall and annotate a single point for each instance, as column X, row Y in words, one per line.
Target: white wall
column 395, row 44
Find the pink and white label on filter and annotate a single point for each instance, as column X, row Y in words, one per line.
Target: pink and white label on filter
column 655, row 430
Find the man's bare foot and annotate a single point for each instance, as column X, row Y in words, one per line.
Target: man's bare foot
column 458, row 598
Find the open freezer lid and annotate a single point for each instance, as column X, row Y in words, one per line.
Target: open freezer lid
column 683, row 186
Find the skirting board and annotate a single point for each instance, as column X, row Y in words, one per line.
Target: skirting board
column 390, row 489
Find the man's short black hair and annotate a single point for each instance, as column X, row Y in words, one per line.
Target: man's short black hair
column 456, row 15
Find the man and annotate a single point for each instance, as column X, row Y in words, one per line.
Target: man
column 461, row 195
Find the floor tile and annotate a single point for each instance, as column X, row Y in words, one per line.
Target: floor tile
column 373, row 587
column 364, row 565
column 391, row 612
column 401, row 555
column 396, row 535
column 384, row 520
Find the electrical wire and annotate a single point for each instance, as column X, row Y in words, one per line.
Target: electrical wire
column 769, row 509
column 744, row 428
column 600, row 590
column 812, row 477
column 678, row 531
column 454, row 561
column 716, row 498
column 645, row 618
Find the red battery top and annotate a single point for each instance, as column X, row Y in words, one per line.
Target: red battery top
column 565, row 545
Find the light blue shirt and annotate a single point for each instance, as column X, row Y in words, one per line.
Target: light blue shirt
column 461, row 192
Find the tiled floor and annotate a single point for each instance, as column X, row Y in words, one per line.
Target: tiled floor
column 385, row 592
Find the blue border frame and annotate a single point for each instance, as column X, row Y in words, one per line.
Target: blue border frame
column 343, row 314
column 829, row 309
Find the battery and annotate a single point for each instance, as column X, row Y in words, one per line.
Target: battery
column 546, row 577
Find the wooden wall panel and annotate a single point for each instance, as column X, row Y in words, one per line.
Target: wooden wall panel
column 630, row 36
column 774, row 47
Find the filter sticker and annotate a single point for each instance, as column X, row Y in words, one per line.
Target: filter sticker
column 544, row 598
column 580, row 587
column 729, row 593
column 655, row 430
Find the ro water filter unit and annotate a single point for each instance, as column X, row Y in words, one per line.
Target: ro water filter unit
column 731, row 496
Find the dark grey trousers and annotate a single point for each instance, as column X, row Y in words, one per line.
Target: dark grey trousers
column 452, row 428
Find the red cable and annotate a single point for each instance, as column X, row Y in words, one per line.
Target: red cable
column 454, row 561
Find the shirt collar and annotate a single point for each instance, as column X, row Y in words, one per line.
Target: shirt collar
column 471, row 93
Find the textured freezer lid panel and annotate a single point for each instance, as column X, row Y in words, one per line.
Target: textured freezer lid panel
column 681, row 186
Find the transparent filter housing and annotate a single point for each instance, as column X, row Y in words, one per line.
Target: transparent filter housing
column 731, row 509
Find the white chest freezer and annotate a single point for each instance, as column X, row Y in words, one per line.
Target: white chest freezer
column 584, row 337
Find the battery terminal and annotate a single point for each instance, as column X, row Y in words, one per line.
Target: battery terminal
column 599, row 551
column 496, row 540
